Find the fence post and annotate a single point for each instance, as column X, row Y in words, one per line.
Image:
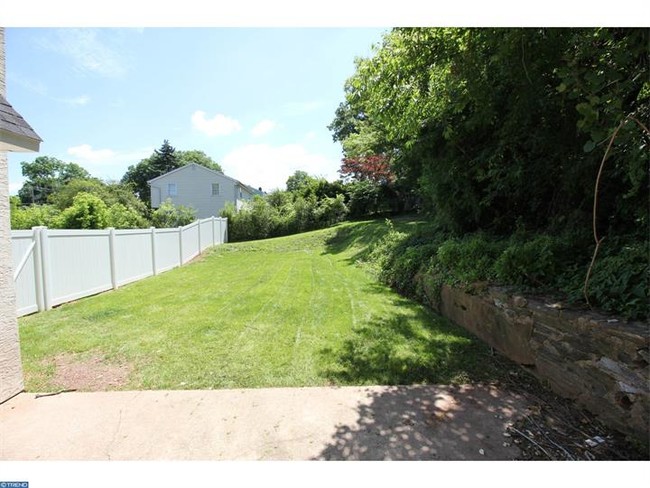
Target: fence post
column 225, row 234
column 200, row 250
column 38, row 268
column 45, row 268
column 111, row 253
column 212, row 227
column 180, row 245
column 153, row 251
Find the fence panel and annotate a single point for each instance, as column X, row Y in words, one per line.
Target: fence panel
column 205, row 234
column 223, row 230
column 78, row 264
column 25, row 283
column 132, row 255
column 167, row 251
column 190, row 241
column 53, row 266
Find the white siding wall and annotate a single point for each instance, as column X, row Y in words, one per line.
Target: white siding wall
column 11, row 373
column 194, row 189
column 66, row 265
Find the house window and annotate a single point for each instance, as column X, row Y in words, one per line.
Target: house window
column 241, row 195
column 215, row 188
column 171, row 189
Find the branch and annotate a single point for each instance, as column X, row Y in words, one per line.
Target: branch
column 523, row 60
column 600, row 171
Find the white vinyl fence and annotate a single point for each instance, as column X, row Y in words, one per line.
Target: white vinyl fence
column 54, row 266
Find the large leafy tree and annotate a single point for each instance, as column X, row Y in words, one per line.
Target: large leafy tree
column 500, row 128
column 198, row 157
column 45, row 176
column 299, row 180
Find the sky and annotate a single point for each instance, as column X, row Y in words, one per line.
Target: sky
column 256, row 100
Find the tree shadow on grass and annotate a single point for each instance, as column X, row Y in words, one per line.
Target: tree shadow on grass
column 361, row 237
column 414, row 346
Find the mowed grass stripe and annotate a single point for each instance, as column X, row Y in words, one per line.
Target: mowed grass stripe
column 291, row 311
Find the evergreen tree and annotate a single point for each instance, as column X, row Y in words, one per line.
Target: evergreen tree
column 162, row 161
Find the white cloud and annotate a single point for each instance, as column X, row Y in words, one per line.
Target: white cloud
column 219, row 125
column 263, row 127
column 87, row 52
column 86, row 154
column 106, row 163
column 270, row 166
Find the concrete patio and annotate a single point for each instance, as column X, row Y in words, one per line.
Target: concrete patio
column 330, row 423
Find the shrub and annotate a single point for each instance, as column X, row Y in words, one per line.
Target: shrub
column 330, row 211
column 32, row 216
column 469, row 259
column 543, row 263
column 398, row 257
column 122, row 217
column 618, row 282
column 536, row 262
column 170, row 215
column 364, row 198
column 87, row 212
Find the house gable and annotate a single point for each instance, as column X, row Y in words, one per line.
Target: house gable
column 193, row 185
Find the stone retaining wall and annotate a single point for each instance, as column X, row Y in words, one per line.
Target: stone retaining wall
column 598, row 361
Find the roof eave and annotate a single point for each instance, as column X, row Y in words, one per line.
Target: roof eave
column 12, row 142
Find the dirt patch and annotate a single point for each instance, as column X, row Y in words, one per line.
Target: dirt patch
column 89, row 372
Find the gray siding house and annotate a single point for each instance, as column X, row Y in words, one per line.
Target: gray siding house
column 205, row 190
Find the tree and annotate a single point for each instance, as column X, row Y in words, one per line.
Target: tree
column 137, row 176
column 162, row 161
column 374, row 168
column 170, row 215
column 46, row 175
column 298, row 181
column 32, row 215
column 493, row 128
column 64, row 196
column 198, row 157
column 88, row 211
column 123, row 217
column 117, row 197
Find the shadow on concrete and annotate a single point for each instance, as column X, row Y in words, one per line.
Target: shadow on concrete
column 429, row 423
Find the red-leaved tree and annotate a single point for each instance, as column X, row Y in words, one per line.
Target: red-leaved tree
column 373, row 168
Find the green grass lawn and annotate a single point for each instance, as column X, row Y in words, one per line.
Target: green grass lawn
column 291, row 311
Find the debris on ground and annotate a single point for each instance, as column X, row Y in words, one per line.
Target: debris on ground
column 557, row 429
